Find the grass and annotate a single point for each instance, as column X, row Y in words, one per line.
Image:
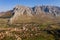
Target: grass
column 35, row 25
column 9, row 38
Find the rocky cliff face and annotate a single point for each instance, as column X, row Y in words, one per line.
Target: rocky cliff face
column 22, row 10
column 21, row 13
column 53, row 10
column 26, row 13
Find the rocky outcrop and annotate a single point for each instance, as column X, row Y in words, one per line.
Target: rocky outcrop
column 23, row 13
column 23, row 10
column 53, row 10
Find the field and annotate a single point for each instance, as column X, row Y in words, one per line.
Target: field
column 29, row 31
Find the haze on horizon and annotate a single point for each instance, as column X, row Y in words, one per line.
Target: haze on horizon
column 10, row 4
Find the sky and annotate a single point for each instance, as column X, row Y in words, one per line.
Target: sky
column 6, row 5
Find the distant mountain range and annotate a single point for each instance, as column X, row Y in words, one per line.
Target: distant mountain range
column 24, row 13
column 53, row 10
column 7, row 14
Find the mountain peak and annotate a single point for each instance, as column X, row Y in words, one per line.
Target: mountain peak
column 26, row 13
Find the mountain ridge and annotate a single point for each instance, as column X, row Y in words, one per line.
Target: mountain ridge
column 31, row 14
column 54, row 10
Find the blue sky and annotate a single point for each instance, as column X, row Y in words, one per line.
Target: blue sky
column 10, row 4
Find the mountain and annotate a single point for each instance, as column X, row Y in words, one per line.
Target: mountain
column 31, row 14
column 53, row 10
column 30, row 23
column 22, row 10
column 7, row 14
column 24, row 13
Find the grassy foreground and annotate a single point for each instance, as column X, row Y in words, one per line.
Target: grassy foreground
column 29, row 31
